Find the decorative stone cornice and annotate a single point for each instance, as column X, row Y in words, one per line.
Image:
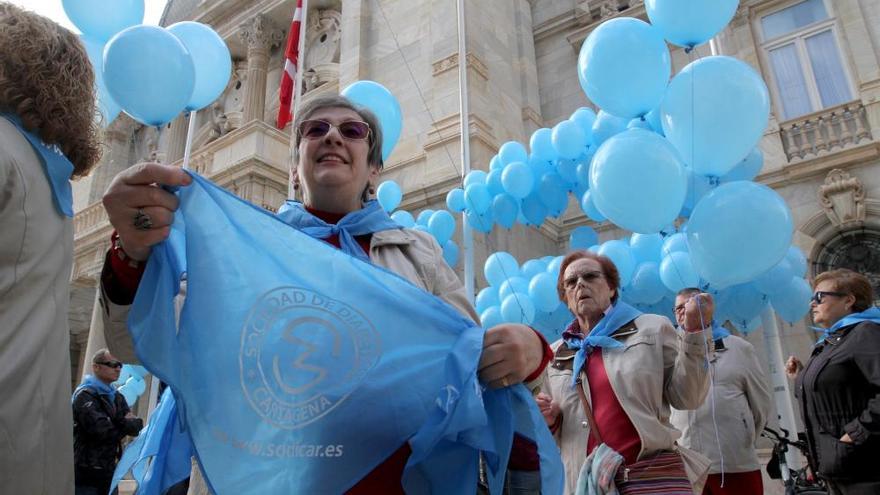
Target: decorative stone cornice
column 843, row 198
column 448, row 129
column 529, row 113
column 451, row 62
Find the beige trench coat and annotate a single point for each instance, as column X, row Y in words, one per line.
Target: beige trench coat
column 36, row 254
column 654, row 370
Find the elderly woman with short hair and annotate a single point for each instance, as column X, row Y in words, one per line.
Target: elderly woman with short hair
column 337, row 161
column 839, row 388
column 614, row 376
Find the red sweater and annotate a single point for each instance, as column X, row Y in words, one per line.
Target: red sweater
column 121, row 283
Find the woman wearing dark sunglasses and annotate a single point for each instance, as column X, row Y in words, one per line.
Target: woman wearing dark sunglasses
column 839, row 387
column 337, row 158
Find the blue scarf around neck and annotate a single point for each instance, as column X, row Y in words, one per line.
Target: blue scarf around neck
column 871, row 314
column 94, row 384
column 370, row 219
column 57, row 167
column 619, row 315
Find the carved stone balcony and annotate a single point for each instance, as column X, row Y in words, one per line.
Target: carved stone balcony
column 824, row 132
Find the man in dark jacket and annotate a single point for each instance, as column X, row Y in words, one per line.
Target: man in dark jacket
column 101, row 419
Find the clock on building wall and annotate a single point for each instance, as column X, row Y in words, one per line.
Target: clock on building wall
column 858, row 250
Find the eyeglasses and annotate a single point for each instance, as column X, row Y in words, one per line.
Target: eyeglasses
column 588, row 277
column 110, row 364
column 678, row 309
column 351, row 129
column 819, row 295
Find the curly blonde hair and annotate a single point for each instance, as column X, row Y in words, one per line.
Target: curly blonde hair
column 47, row 80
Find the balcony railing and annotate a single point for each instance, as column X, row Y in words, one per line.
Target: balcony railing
column 89, row 219
column 822, row 132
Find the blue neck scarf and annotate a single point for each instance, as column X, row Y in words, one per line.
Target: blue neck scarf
column 719, row 332
column 368, row 220
column 57, row 167
column 94, row 384
column 871, row 314
column 619, row 315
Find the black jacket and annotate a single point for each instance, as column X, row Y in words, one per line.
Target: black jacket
column 839, row 392
column 98, row 429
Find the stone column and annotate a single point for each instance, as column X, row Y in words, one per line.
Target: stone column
column 177, row 138
column 96, row 336
column 260, row 37
column 117, row 146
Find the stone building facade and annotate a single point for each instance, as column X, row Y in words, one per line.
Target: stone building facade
column 818, row 57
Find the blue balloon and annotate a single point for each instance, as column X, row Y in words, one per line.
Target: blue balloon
column 533, row 210
column 542, row 291
column 475, row 177
column 533, row 267
column 455, row 200
column 517, row 179
column 476, row 197
column 211, row 59
column 149, row 73
column 653, row 118
column 745, row 302
column 404, row 218
column 389, row 195
column 623, row 67
column 100, row 19
column 505, row 208
column 775, row 279
column 607, row 125
column 129, row 394
column 737, row 232
column 589, row 208
column 491, row 317
column 690, row 23
column 512, row 152
column 541, row 144
column 138, row 370
column 582, row 175
column 618, row 251
column 554, row 265
column 637, row 181
column 568, row 170
column 647, row 247
column 424, row 217
column 495, row 163
column 539, row 167
column 499, row 267
column 646, row 286
column 481, row 222
column 639, row 123
column 518, row 285
column 715, row 112
column 677, row 271
column 486, row 298
column 450, row 253
column 568, row 139
column 518, row 308
column 109, row 108
column 442, row 226
column 674, row 243
column 553, row 193
column 585, row 117
column 380, row 101
column 748, row 168
column 582, row 237
column 797, row 260
column 793, row 302
column 697, row 187
column 493, row 182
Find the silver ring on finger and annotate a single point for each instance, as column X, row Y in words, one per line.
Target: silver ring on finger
column 142, row 220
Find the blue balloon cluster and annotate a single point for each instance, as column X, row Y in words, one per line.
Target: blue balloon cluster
column 149, row 72
column 439, row 223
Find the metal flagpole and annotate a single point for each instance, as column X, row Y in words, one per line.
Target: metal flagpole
column 297, row 79
column 466, row 234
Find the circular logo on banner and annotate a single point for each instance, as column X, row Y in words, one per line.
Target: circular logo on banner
column 302, row 354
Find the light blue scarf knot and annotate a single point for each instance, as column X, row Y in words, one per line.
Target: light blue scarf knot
column 370, row 219
column 871, row 314
column 619, row 315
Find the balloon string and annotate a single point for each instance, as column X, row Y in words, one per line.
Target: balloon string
column 711, row 386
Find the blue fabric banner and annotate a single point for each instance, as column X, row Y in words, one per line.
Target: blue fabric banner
column 298, row 368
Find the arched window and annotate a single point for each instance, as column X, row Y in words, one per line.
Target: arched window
column 856, row 249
